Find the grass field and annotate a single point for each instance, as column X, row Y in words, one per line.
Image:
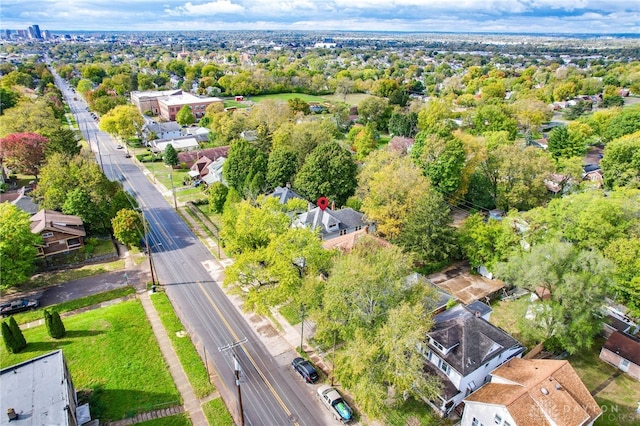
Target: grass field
column 72, row 305
column 286, row 97
column 217, row 413
column 189, row 358
column 112, row 352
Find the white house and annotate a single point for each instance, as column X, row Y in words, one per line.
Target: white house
column 463, row 349
column 541, row 392
column 331, row 223
column 214, row 173
column 180, row 144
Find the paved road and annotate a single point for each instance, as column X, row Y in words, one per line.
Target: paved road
column 271, row 394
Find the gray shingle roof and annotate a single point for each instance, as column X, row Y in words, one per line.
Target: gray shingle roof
column 474, row 340
column 284, row 194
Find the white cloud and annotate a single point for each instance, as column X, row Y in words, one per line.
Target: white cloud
column 219, row 7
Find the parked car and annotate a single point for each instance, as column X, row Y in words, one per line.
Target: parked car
column 196, row 183
column 305, row 369
column 18, row 305
column 334, row 402
column 119, row 146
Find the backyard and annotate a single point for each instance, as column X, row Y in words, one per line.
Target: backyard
column 618, row 400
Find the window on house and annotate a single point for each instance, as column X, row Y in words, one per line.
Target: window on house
column 47, row 234
column 444, row 366
column 73, row 242
column 506, row 423
column 438, row 346
column 497, row 419
column 476, row 422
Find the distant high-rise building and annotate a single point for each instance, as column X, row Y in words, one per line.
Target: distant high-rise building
column 46, row 34
column 34, row 32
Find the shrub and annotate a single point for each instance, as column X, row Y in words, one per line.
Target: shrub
column 54, row 324
column 9, row 341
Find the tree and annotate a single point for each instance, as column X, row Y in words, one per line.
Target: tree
column 184, row 117
column 576, row 282
column 282, row 166
column 62, row 141
column 239, row 163
column 365, row 141
column 299, row 105
column 494, row 118
column 79, row 203
column 18, row 337
column 621, row 162
column 379, row 321
column 17, row 246
column 390, row 186
column 274, row 274
column 442, row 161
column 328, row 171
column 375, row 110
column 625, row 254
column 84, row 86
column 29, row 116
column 9, row 341
column 54, row 324
column 123, row 121
column 128, row 227
column 23, row 152
column 217, row 197
column 170, row 156
column 624, row 123
column 427, row 232
column 561, row 144
column 435, row 118
column 403, row 124
column 8, row 99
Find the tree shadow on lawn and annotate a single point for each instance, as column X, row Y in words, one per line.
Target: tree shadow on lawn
column 119, row 404
column 53, row 345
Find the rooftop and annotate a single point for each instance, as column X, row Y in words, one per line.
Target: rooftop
column 628, row 347
column 56, row 221
column 539, row 392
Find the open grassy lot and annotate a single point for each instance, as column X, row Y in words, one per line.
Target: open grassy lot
column 286, row 96
column 507, row 314
column 189, row 358
column 217, row 413
column 52, row 278
column 352, row 99
column 72, row 305
column 619, row 400
column 111, row 351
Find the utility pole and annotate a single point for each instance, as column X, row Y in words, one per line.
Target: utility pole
column 302, row 315
column 237, row 370
column 146, row 243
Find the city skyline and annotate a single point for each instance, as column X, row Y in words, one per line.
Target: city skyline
column 508, row 16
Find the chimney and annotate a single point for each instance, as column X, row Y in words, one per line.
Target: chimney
column 288, row 185
column 11, row 413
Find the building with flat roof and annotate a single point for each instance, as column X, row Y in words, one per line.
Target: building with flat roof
column 170, row 105
column 148, row 101
column 40, row 392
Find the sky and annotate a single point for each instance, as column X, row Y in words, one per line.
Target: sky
column 512, row 16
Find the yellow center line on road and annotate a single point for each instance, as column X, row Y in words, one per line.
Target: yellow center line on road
column 235, row 336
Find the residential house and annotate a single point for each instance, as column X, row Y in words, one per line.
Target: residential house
column 623, row 352
column 284, row 194
column 60, row 233
column 331, row 223
column 167, row 130
column 179, row 144
column 532, row 392
column 615, row 320
column 463, row 349
column 345, row 243
column 20, row 199
column 214, row 171
column 190, row 157
column 40, row 391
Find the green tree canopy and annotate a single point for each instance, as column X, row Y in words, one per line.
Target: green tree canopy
column 170, row 156
column 621, row 163
column 123, row 121
column 576, row 282
column 63, row 141
column 185, row 117
column 328, row 171
column 128, row 227
column 17, row 246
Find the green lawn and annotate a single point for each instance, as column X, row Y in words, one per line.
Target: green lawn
column 508, row 314
column 177, row 420
column 113, row 353
column 290, row 313
column 414, row 412
column 352, row 99
column 216, row 413
column 286, row 97
column 189, row 358
column 72, row 305
column 190, row 194
column 619, row 400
